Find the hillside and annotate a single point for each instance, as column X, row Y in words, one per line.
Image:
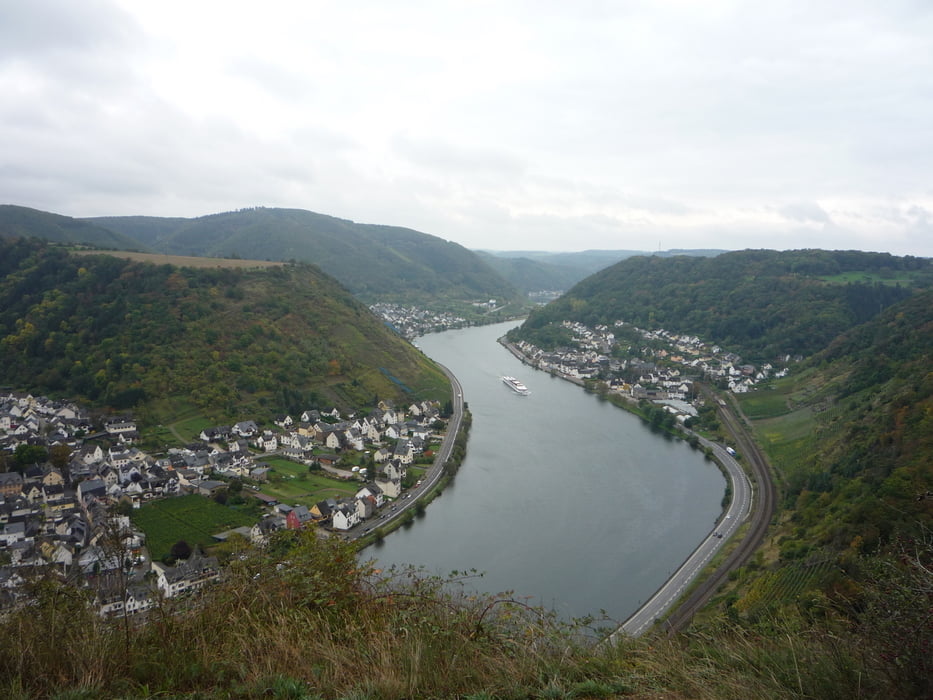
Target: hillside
column 847, row 565
column 376, row 263
column 535, row 270
column 529, row 275
column 121, row 334
column 850, row 434
column 16, row 222
column 762, row 304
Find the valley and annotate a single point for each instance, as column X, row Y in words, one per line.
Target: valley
column 819, row 359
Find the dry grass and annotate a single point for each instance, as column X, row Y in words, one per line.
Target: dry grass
column 306, row 621
column 182, row 260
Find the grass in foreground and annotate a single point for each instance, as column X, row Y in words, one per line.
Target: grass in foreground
column 305, row 620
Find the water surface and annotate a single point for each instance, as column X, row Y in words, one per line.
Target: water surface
column 562, row 497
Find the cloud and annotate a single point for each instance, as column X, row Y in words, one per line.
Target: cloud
column 452, row 158
column 493, row 124
column 805, row 212
column 44, row 28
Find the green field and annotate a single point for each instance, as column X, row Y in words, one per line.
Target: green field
column 194, row 519
column 192, row 427
column 767, row 403
column 292, row 483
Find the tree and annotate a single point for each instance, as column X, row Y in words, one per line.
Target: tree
column 59, row 456
column 234, row 545
column 123, row 507
column 180, row 550
column 29, row 454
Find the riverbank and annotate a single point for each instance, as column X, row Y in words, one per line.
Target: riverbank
column 416, row 507
column 736, row 505
column 626, row 403
column 524, row 360
column 544, row 463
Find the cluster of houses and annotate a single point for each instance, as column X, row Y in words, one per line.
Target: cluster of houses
column 393, row 439
column 27, row 419
column 64, row 517
column 342, row 515
column 410, row 322
column 52, row 517
column 661, row 370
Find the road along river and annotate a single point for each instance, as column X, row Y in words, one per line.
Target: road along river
column 562, row 498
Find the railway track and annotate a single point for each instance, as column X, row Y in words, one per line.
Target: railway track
column 760, row 519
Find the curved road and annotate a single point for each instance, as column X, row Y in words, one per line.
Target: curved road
column 739, row 509
column 760, row 520
column 434, row 472
column 670, row 592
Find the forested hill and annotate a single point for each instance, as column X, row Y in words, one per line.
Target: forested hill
column 760, row 303
column 384, row 263
column 531, row 275
column 850, row 435
column 536, row 270
column 24, row 222
column 861, row 473
column 229, row 341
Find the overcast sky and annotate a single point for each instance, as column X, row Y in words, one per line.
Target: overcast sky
column 507, row 125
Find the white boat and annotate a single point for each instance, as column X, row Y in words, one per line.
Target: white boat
column 516, row 386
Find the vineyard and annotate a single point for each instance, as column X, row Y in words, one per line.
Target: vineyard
column 784, row 585
column 194, row 519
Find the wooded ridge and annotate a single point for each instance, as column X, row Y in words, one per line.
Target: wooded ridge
column 761, row 304
column 122, row 334
column 376, row 263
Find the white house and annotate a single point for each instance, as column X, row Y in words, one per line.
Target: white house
column 267, row 442
column 344, row 516
column 188, row 575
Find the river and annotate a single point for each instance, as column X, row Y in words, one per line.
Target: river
column 568, row 501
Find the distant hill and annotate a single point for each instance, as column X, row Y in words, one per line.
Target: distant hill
column 377, row 263
column 760, row 303
column 532, row 271
column 529, row 275
column 18, row 221
column 229, row 341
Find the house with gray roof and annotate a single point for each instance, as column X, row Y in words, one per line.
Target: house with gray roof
column 197, row 571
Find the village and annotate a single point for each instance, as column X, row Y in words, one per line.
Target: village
column 410, row 321
column 660, row 367
column 68, row 512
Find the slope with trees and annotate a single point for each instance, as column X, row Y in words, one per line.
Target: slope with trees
column 845, row 576
column 23, row 222
column 122, row 334
column 851, row 435
column 536, row 270
column 377, row 263
column 529, row 275
column 762, row 304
